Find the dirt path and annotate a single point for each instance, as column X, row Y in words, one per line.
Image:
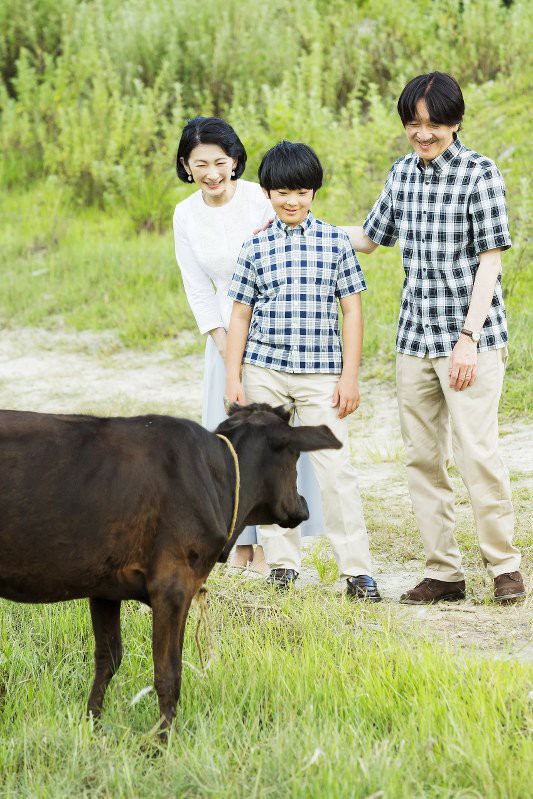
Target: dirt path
column 59, row 372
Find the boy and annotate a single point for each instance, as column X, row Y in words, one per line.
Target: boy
column 285, row 323
column 446, row 206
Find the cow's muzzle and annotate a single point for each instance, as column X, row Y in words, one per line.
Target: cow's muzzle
column 295, row 515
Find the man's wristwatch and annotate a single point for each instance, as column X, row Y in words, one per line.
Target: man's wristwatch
column 475, row 335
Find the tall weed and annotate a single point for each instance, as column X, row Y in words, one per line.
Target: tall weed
column 96, row 93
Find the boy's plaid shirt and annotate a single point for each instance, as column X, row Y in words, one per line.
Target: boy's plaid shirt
column 292, row 277
column 443, row 216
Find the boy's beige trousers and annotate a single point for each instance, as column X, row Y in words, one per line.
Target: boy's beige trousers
column 427, row 403
column 339, row 490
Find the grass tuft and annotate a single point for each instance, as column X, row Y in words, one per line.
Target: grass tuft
column 313, row 697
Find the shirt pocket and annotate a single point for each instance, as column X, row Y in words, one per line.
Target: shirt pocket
column 319, row 280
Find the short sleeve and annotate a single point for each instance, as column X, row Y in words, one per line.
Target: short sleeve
column 198, row 287
column 380, row 225
column 350, row 278
column 243, row 286
column 488, row 212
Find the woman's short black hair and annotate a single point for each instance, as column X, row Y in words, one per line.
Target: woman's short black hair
column 290, row 165
column 442, row 96
column 209, row 130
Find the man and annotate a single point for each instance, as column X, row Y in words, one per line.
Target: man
column 445, row 204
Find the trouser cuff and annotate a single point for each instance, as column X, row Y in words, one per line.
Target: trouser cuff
column 445, row 576
column 512, row 565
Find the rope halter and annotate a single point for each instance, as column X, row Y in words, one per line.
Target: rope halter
column 237, row 482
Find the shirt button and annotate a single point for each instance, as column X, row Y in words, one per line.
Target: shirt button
column 424, row 212
column 426, row 326
column 425, row 296
column 423, row 239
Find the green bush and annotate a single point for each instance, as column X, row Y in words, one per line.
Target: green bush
column 96, row 92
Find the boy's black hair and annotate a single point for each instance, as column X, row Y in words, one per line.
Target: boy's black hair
column 290, row 165
column 442, row 96
column 209, row 130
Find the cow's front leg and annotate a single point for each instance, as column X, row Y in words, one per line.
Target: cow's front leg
column 105, row 615
column 171, row 599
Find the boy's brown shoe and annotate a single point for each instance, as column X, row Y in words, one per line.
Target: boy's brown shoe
column 509, row 587
column 430, row 591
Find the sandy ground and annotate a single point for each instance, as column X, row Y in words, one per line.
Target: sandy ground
column 60, row 372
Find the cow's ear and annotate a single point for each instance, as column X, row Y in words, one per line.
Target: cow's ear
column 307, row 439
column 279, row 436
column 303, row 439
column 284, row 411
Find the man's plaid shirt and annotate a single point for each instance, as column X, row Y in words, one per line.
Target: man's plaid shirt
column 292, row 277
column 443, row 216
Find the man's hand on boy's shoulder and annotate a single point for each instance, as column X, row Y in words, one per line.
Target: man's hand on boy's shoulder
column 346, row 395
column 265, row 226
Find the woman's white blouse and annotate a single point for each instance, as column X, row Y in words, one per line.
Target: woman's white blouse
column 208, row 240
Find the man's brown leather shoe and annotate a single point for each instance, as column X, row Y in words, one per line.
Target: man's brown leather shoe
column 509, row 587
column 430, row 591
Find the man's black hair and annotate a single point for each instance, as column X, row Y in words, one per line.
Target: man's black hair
column 290, row 165
column 442, row 95
column 209, row 130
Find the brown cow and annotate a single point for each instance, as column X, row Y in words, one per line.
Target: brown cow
column 138, row 508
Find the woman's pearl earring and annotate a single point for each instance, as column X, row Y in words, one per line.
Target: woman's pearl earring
column 189, row 178
column 233, row 174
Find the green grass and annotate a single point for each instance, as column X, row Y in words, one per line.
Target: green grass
column 88, row 270
column 308, row 696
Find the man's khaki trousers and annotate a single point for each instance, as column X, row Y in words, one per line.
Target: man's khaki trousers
column 427, row 403
column 341, row 502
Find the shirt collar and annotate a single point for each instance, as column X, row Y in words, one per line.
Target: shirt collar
column 443, row 161
column 303, row 228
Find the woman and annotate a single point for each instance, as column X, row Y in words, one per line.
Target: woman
column 209, row 228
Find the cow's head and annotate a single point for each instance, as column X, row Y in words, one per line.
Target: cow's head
column 268, row 449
